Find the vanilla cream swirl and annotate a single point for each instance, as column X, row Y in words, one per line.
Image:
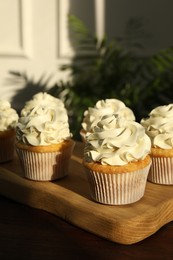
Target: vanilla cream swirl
column 116, row 141
column 8, row 116
column 105, row 107
column 159, row 126
column 41, row 99
column 43, row 121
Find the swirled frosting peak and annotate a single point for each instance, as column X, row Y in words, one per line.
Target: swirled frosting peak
column 116, row 141
column 8, row 116
column 41, row 100
column 43, row 121
column 104, row 107
column 159, row 126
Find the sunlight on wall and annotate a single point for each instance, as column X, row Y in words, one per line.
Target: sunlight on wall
column 100, row 18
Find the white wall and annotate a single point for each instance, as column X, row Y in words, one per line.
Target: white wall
column 156, row 16
column 34, row 35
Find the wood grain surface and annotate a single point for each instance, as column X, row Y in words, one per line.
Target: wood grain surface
column 69, row 199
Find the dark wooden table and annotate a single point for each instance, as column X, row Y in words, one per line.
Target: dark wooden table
column 27, row 233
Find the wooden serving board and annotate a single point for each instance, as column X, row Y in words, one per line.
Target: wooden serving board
column 69, row 199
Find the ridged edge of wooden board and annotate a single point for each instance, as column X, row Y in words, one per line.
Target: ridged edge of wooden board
column 69, row 199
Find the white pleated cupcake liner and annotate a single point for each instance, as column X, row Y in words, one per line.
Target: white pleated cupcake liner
column 161, row 171
column 7, row 148
column 45, row 166
column 117, row 189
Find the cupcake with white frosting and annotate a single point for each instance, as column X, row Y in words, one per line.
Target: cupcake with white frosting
column 117, row 161
column 8, row 121
column 104, row 107
column 43, row 138
column 159, row 127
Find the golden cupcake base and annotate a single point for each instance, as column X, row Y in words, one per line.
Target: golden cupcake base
column 161, row 171
column 117, row 188
column 45, row 163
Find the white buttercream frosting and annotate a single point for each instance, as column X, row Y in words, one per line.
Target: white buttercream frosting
column 104, row 107
column 116, row 141
column 159, row 126
column 8, row 116
column 41, row 100
column 43, row 121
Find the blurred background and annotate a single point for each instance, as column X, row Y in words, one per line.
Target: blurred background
column 83, row 51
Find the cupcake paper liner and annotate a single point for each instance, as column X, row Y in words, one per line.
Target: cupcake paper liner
column 119, row 188
column 45, row 166
column 161, row 171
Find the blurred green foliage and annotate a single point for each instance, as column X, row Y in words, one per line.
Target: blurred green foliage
column 102, row 69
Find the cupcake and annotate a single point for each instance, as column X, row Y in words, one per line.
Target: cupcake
column 104, row 107
column 43, row 138
column 8, row 120
column 117, row 161
column 159, row 127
